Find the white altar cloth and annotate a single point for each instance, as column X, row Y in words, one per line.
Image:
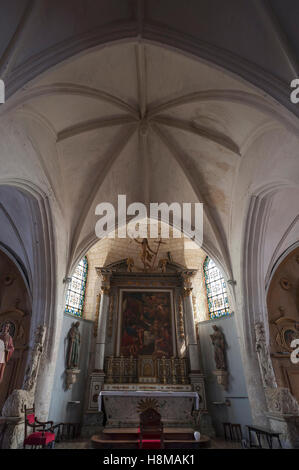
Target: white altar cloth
column 142, row 393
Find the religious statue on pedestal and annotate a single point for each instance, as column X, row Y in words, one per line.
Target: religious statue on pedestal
column 73, row 346
column 7, row 348
column 218, row 342
column 72, row 358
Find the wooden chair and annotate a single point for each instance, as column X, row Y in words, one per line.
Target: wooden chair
column 227, row 431
column 151, row 430
column 237, row 434
column 41, row 435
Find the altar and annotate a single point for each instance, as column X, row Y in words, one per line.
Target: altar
column 122, row 408
column 146, row 350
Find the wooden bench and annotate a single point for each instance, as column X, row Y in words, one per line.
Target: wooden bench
column 260, row 431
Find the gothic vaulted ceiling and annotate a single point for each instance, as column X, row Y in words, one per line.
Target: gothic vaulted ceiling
column 137, row 117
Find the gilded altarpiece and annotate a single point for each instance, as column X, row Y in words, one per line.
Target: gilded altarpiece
column 148, row 343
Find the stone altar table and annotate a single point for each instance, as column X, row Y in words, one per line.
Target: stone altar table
column 121, row 407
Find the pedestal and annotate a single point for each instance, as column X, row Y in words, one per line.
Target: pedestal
column 202, row 418
column 11, row 432
column 288, row 426
column 222, row 378
column 71, row 377
column 92, row 418
column 283, row 415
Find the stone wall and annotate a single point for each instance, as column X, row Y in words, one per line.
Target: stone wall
column 239, row 409
column 60, row 409
column 183, row 251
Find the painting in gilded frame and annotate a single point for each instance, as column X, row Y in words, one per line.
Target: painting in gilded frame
column 146, row 324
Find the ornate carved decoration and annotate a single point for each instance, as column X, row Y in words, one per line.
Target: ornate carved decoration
column 182, row 366
column 105, row 275
column 96, row 319
column 131, row 369
column 181, row 319
column 109, row 378
column 105, row 290
column 148, row 256
column 32, row 369
column 147, row 403
column 14, row 405
column 287, row 331
column 194, row 305
column 7, row 279
column 130, row 264
column 173, row 371
column 285, row 283
column 163, row 264
column 281, row 310
column 280, row 400
column 264, row 359
column 110, row 316
column 187, row 291
column 187, row 283
column 163, row 369
column 145, row 369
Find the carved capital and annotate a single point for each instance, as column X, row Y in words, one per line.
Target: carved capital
column 104, row 275
column 105, row 290
column 187, row 291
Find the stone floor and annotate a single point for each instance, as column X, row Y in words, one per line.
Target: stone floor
column 216, row 443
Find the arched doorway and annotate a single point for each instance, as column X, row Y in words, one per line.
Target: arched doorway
column 15, row 309
column 283, row 310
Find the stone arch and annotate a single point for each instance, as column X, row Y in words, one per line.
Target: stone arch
column 283, row 314
column 29, row 238
column 15, row 308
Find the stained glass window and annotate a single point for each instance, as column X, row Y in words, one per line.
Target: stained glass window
column 76, row 290
column 216, row 290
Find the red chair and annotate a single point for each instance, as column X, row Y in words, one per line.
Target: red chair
column 41, row 435
column 151, row 430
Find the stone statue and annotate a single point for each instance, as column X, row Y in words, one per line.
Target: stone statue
column 218, row 341
column 146, row 253
column 73, row 336
column 264, row 358
column 14, row 405
column 33, row 366
column 7, row 346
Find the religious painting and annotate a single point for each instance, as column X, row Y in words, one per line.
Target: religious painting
column 146, row 324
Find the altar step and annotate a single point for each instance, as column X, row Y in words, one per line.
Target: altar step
column 128, row 438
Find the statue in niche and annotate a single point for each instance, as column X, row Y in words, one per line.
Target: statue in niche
column 72, row 358
column 218, row 341
column 7, row 347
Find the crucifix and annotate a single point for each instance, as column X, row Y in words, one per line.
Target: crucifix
column 147, row 253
